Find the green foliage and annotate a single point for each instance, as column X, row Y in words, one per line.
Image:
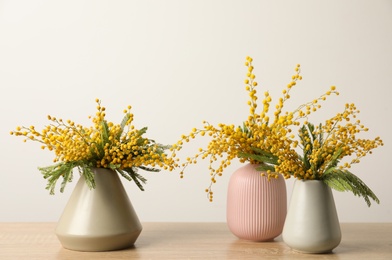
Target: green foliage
column 124, row 122
column 335, row 159
column 306, row 138
column 131, row 174
column 332, row 175
column 88, row 175
column 266, row 159
column 64, row 170
column 343, row 180
column 54, row 172
column 246, row 130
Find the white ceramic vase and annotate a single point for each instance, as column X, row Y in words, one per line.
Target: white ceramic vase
column 100, row 219
column 312, row 224
column 256, row 207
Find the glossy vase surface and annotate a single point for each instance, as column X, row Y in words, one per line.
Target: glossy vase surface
column 100, row 219
column 256, row 206
column 312, row 224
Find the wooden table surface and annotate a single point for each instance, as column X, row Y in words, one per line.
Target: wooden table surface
column 192, row 241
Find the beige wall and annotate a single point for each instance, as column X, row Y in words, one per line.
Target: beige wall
column 179, row 63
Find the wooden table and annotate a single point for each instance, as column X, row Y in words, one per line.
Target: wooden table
column 192, row 241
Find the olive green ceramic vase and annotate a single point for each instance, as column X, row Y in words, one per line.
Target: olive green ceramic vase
column 100, row 219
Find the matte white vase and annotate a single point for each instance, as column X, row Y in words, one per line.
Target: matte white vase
column 256, row 206
column 312, row 224
column 100, row 219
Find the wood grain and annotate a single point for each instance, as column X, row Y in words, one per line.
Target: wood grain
column 192, row 241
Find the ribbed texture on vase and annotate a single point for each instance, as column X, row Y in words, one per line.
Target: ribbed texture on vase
column 256, row 207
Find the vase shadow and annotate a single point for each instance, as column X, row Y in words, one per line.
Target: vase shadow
column 276, row 248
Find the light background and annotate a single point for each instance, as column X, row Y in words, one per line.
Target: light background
column 179, row 63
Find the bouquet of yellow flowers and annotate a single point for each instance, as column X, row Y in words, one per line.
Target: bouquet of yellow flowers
column 120, row 147
column 271, row 142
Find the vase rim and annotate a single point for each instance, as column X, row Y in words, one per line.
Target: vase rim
column 255, row 165
column 309, row 180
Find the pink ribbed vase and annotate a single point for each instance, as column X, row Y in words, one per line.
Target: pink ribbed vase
column 256, row 207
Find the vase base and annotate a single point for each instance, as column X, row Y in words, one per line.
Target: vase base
column 257, row 240
column 329, row 251
column 99, row 244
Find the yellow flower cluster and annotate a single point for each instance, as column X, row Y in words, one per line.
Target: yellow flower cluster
column 119, row 147
column 325, row 144
column 229, row 142
column 271, row 143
